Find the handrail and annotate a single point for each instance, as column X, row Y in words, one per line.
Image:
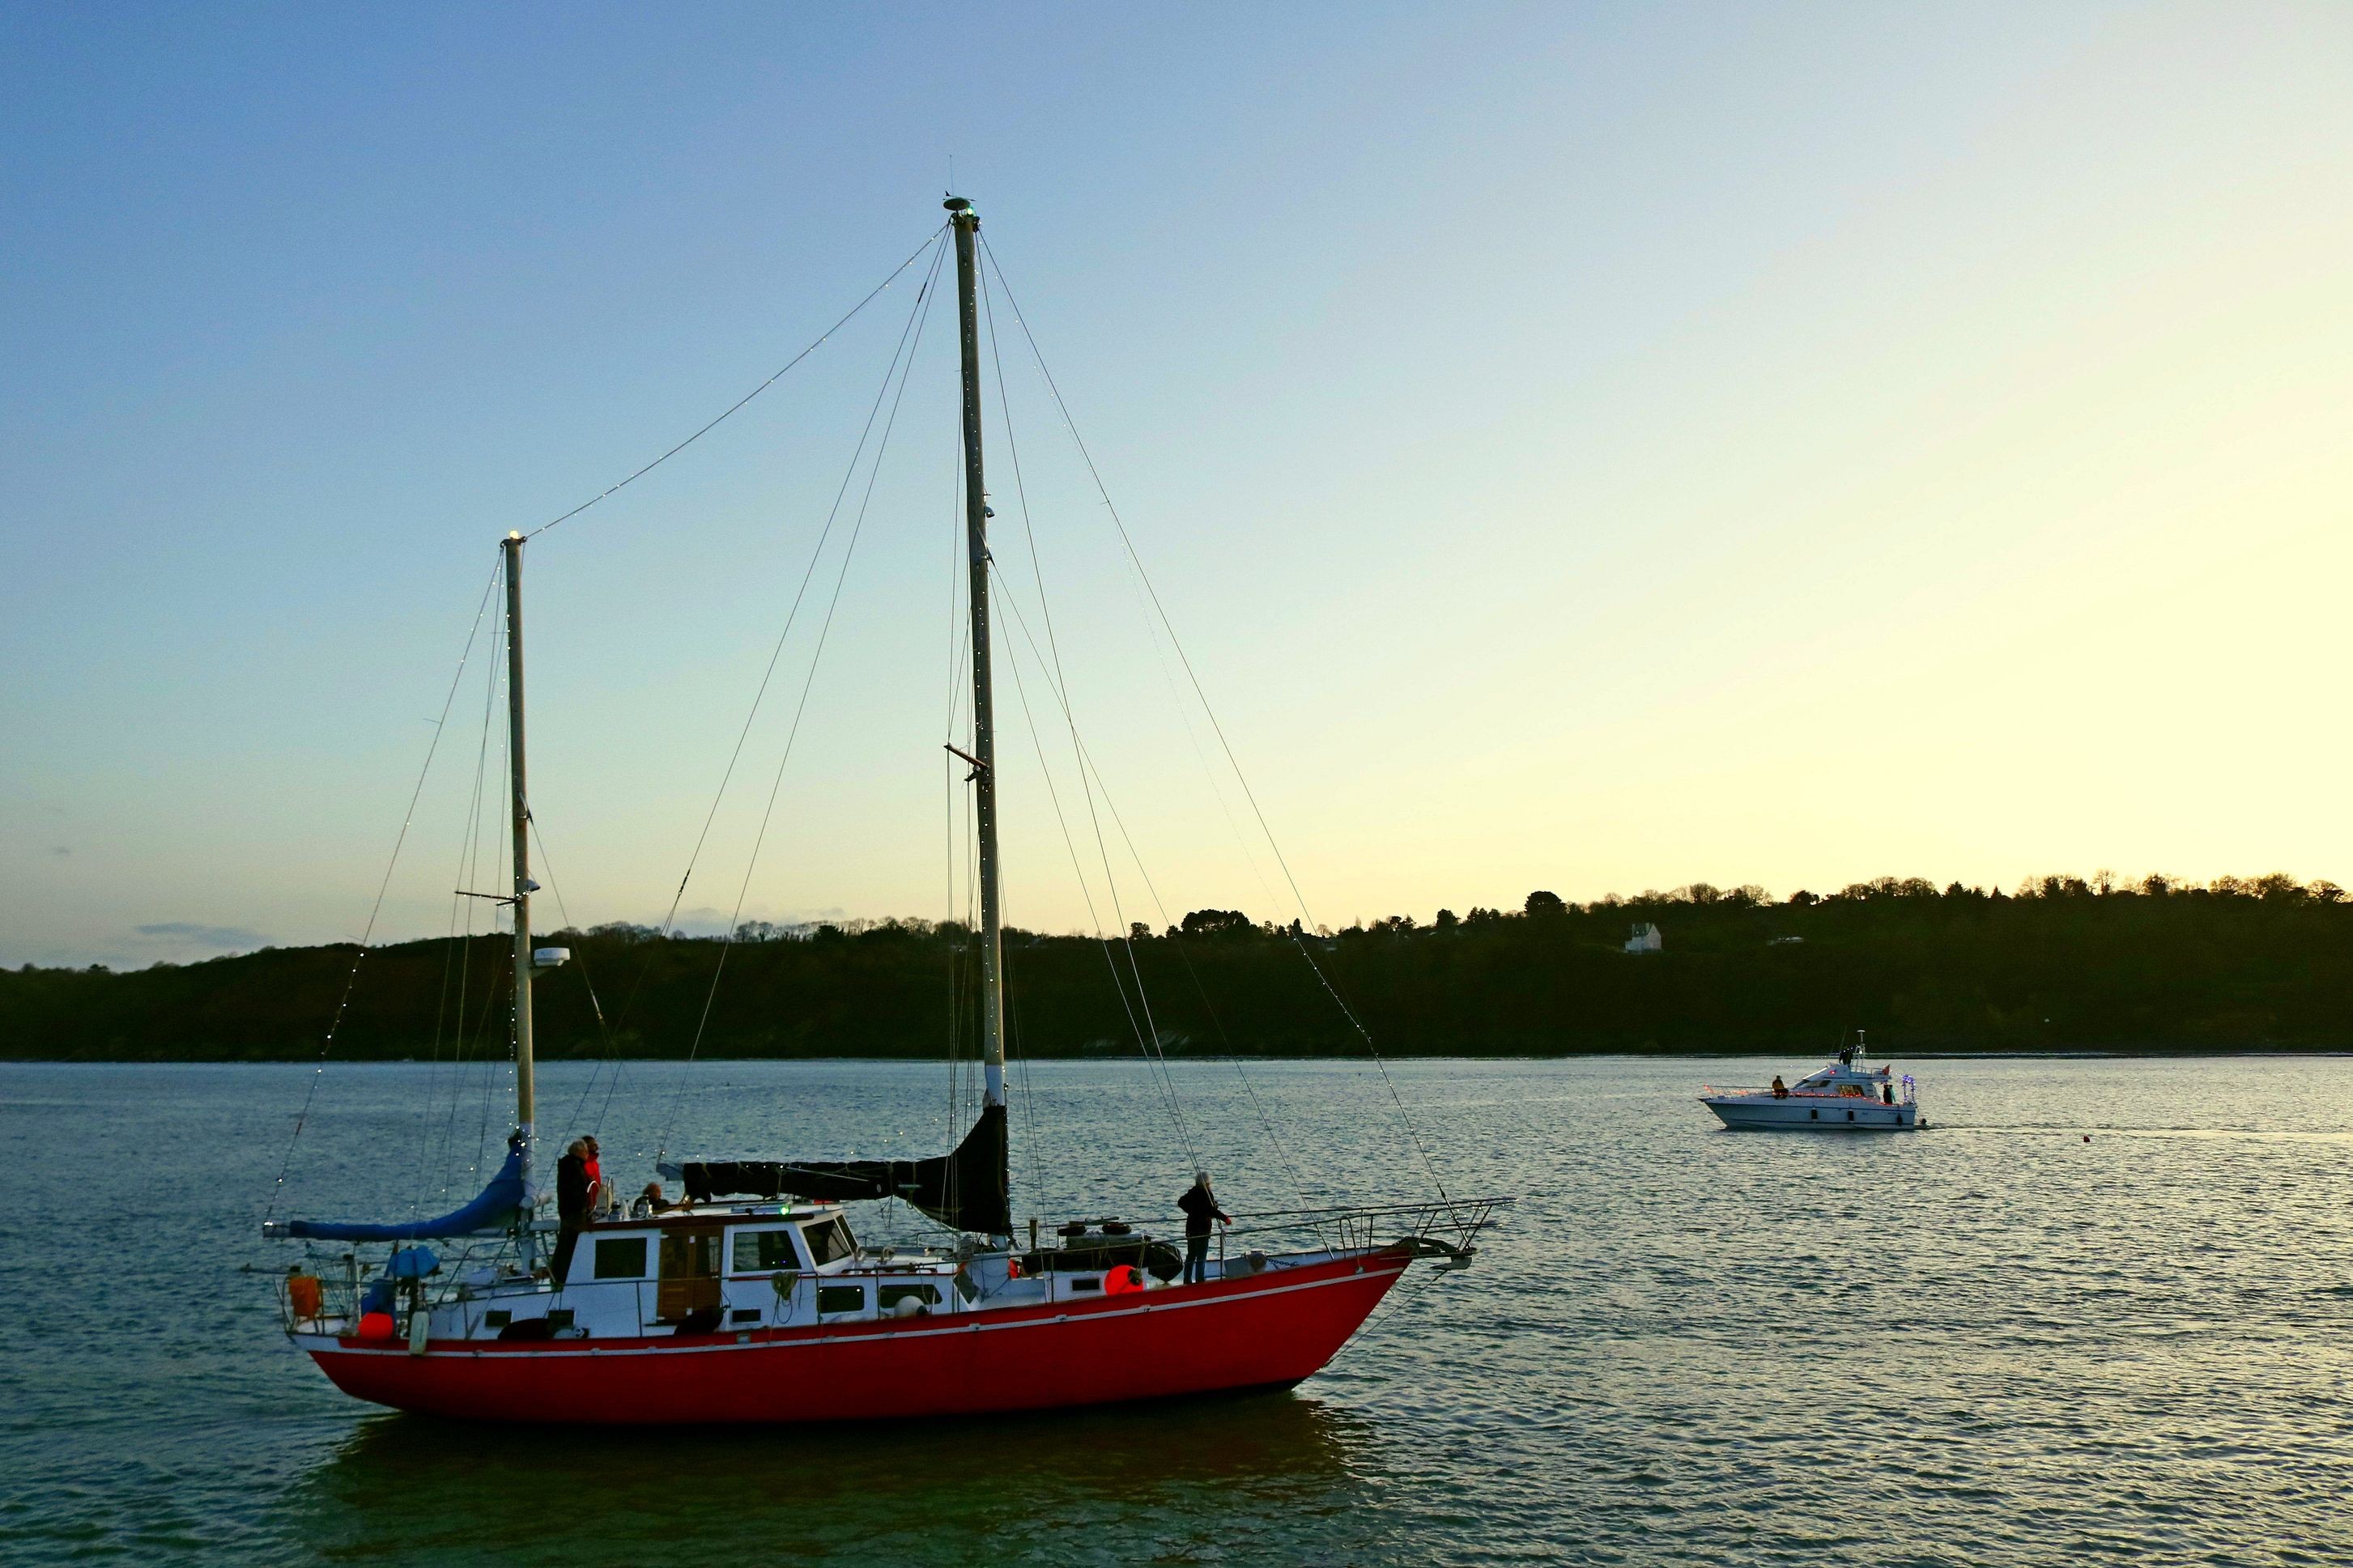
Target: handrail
column 1415, row 1207
column 1793, row 1093
column 1373, row 1224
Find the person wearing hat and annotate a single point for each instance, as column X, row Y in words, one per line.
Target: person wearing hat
column 1201, row 1206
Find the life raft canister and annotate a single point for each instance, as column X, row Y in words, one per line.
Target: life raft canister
column 1123, row 1281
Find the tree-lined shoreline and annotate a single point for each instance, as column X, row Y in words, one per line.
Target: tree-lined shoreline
column 2062, row 965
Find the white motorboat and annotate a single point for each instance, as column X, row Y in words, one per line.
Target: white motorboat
column 1844, row 1097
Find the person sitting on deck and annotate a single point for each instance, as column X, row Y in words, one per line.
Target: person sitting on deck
column 1201, row 1206
column 574, row 1187
column 1780, row 1089
column 649, row 1202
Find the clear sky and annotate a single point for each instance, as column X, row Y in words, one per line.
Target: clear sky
column 1581, row 446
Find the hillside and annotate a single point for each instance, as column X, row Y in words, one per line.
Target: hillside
column 2060, row 965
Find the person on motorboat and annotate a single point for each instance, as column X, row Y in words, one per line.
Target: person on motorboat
column 1780, row 1089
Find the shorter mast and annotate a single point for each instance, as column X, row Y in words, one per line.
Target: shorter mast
column 512, row 546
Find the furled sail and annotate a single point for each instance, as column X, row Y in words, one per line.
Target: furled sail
column 965, row 1189
column 492, row 1209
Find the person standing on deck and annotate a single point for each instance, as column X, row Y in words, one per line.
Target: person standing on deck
column 596, row 1203
column 574, row 1187
column 1201, row 1206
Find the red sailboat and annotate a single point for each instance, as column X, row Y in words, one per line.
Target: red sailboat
column 753, row 1300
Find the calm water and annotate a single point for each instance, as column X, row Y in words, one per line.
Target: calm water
column 1989, row 1342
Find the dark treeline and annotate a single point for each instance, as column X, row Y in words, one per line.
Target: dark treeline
column 2062, row 963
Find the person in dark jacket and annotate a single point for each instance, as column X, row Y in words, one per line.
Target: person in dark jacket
column 1201, row 1206
column 573, row 1188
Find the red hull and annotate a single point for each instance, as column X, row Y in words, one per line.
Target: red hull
column 1275, row 1328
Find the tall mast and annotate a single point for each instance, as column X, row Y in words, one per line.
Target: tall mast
column 966, row 224
column 524, row 885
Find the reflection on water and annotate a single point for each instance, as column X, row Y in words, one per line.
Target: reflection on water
column 1274, row 1470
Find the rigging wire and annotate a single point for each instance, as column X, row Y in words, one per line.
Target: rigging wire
column 1149, row 1038
column 747, row 397
column 902, row 363
column 954, row 951
column 792, row 617
column 459, row 955
column 377, row 909
column 612, row 1054
column 1087, row 763
column 469, row 868
column 1387, row 1310
column 1136, row 559
column 1058, row 684
column 1147, row 1043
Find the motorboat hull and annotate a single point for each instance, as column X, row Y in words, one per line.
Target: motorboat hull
column 1274, row 1328
column 1810, row 1113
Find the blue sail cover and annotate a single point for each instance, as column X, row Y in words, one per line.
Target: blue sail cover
column 494, row 1208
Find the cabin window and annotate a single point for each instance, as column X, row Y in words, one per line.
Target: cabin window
column 929, row 1295
column 744, row 1315
column 764, row 1251
column 621, row 1258
column 832, row 1299
column 497, row 1319
column 829, row 1240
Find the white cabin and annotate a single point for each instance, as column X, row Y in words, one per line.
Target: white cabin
column 1646, row 939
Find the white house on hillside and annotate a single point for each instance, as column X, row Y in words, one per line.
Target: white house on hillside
column 1646, row 939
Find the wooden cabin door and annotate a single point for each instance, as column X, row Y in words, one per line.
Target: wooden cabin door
column 690, row 1274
